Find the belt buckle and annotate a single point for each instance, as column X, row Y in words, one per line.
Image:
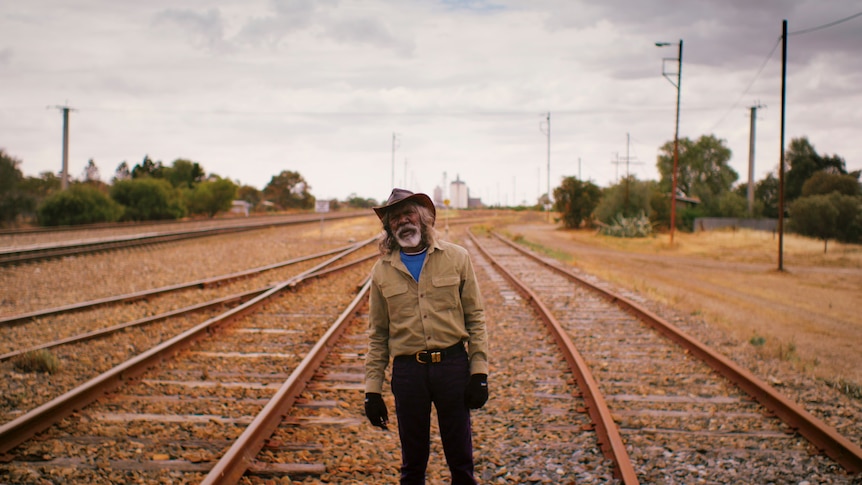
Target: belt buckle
column 436, row 356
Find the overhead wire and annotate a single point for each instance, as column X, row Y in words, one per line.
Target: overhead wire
column 769, row 56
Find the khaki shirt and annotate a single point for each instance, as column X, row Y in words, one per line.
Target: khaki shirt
column 441, row 309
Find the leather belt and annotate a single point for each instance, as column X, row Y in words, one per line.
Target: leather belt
column 435, row 356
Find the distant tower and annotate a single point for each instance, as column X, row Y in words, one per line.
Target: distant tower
column 458, row 194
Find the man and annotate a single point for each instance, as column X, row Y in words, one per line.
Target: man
column 424, row 306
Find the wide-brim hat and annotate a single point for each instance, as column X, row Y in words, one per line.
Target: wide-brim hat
column 401, row 196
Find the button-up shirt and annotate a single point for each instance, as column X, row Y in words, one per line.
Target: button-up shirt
column 441, row 309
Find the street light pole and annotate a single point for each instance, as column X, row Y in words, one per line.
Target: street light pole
column 678, row 85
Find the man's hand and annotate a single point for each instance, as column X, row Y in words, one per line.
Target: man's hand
column 375, row 409
column 477, row 391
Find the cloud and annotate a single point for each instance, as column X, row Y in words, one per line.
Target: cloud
column 5, row 56
column 204, row 30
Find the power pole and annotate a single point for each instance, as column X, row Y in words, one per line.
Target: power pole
column 781, row 161
column 64, row 173
column 548, row 121
column 751, row 159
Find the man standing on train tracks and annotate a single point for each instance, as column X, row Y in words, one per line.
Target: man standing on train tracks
column 424, row 306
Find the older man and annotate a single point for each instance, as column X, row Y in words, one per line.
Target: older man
column 424, row 306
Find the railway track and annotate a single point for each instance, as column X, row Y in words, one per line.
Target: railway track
column 289, row 403
column 16, row 253
column 172, row 409
column 685, row 413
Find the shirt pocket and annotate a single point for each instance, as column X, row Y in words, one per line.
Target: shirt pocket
column 398, row 300
column 446, row 294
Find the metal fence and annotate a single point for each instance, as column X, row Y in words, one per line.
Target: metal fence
column 714, row 223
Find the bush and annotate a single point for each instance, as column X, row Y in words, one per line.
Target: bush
column 211, row 197
column 147, row 199
column 639, row 226
column 37, row 361
column 80, row 204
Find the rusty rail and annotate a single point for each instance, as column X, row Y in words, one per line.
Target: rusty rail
column 609, row 438
column 241, row 455
column 820, row 434
column 27, row 425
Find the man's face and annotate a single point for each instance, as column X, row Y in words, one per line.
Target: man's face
column 405, row 225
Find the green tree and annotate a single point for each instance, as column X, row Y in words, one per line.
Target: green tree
column 824, row 182
column 628, row 198
column 148, row 199
column 289, row 190
column 148, row 168
column 355, row 201
column 803, row 162
column 122, row 172
column 81, row 204
column 14, row 200
column 249, row 194
column 210, row 197
column 183, row 173
column 828, row 216
column 702, row 171
column 766, row 192
column 731, row 204
column 575, row 200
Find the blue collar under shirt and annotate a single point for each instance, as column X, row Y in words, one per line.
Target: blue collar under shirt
column 414, row 262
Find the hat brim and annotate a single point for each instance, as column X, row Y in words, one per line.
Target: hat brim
column 420, row 199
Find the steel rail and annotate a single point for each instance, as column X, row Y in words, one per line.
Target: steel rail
column 609, row 438
column 35, row 252
column 241, row 455
column 27, row 425
column 203, row 283
column 824, row 437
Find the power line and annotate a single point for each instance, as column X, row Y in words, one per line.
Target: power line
column 826, row 26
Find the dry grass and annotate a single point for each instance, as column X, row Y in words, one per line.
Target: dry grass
column 807, row 314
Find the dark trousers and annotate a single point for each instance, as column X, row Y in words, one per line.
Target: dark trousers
column 415, row 386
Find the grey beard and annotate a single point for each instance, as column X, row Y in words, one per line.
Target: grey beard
column 408, row 236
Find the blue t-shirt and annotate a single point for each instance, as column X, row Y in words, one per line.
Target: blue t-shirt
column 414, row 262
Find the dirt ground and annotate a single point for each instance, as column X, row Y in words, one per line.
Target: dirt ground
column 809, row 314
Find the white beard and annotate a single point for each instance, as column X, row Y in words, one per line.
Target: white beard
column 408, row 236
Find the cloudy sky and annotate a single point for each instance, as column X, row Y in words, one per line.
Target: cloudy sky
column 249, row 88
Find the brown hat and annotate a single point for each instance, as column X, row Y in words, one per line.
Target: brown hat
column 399, row 196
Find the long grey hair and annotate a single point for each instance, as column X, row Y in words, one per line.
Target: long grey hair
column 388, row 244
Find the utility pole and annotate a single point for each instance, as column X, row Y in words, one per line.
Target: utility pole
column 64, row 173
column 548, row 121
column 781, row 161
column 751, row 159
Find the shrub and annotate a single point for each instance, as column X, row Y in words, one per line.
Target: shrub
column 147, row 199
column 639, row 226
column 80, row 204
column 38, row 361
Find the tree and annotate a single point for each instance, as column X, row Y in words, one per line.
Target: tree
column 766, row 191
column 81, row 204
column 211, row 197
column 14, row 201
column 148, row 168
column 249, row 194
column 357, row 202
column 629, row 198
column 289, row 191
column 148, row 199
column 702, row 170
column 815, row 216
column 575, row 200
column 122, row 172
column 824, row 182
column 91, row 172
column 803, row 162
column 184, row 173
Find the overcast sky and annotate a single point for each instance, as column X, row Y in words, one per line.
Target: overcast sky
column 250, row 88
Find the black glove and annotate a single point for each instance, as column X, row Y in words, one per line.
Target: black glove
column 477, row 391
column 375, row 409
